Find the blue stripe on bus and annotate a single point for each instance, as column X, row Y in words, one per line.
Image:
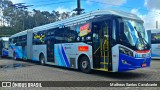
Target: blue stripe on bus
column 65, row 57
column 18, row 52
column 61, row 57
column 56, row 55
column 24, row 54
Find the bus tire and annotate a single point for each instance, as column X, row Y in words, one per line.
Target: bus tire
column 42, row 59
column 85, row 65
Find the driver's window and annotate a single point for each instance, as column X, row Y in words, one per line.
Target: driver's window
column 123, row 36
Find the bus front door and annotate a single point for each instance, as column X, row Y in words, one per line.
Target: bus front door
column 101, row 46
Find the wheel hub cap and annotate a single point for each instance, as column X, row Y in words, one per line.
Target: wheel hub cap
column 84, row 64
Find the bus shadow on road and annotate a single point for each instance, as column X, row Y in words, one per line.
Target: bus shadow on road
column 129, row 75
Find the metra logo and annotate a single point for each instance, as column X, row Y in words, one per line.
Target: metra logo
column 83, row 48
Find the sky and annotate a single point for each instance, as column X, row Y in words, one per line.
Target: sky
column 147, row 10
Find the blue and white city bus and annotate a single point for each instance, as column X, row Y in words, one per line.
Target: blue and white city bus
column 4, row 46
column 106, row 40
column 155, row 43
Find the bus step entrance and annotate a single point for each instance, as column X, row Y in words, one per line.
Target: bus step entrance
column 104, row 55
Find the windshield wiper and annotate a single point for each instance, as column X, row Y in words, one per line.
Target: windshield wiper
column 142, row 40
column 138, row 32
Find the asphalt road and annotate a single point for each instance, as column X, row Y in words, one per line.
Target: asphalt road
column 15, row 70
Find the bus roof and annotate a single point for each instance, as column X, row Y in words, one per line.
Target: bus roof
column 4, row 38
column 85, row 17
column 20, row 33
column 79, row 19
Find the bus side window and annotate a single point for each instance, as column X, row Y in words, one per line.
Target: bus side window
column 59, row 35
column 39, row 38
column 69, row 35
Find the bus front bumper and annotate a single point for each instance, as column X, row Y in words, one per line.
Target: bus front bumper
column 131, row 63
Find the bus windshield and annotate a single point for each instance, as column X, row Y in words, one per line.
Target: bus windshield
column 136, row 34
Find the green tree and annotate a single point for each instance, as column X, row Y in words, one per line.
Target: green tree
column 19, row 19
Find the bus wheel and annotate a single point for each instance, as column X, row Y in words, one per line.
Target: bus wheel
column 42, row 59
column 85, row 65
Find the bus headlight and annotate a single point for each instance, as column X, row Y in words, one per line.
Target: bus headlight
column 125, row 51
column 138, row 56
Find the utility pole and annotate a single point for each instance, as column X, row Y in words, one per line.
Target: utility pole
column 78, row 9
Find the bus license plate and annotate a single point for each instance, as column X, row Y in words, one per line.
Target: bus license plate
column 144, row 65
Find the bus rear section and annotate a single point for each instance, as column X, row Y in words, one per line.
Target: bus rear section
column 18, row 46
